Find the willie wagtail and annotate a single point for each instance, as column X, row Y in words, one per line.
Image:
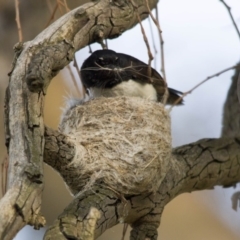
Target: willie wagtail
column 107, row 73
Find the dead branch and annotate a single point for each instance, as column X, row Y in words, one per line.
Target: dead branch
column 237, row 66
column 75, row 64
column 4, row 168
column 232, row 18
column 150, row 56
column 74, row 80
column 163, row 70
column 20, row 36
column 52, row 14
column 156, row 22
column 153, row 43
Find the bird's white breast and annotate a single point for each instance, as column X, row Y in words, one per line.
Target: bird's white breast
column 129, row 88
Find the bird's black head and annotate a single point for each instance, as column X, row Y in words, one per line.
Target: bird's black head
column 106, row 69
column 101, row 70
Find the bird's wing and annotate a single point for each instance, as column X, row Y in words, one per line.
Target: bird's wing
column 139, row 71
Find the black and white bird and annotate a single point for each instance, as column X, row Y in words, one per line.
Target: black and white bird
column 107, row 73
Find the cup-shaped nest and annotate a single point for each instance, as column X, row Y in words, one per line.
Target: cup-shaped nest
column 123, row 142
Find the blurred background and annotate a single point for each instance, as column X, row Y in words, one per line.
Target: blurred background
column 200, row 40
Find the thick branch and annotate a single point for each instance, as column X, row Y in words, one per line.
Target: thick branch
column 58, row 153
column 208, row 163
column 88, row 215
column 24, row 135
column 54, row 48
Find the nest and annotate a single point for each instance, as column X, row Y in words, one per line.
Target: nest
column 123, row 142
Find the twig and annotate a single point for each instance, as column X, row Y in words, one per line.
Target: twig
column 73, row 79
column 103, row 45
column 90, row 49
column 156, row 22
column 60, row 4
column 49, row 5
column 57, row 6
column 66, row 6
column 3, row 185
column 205, row 80
column 20, row 36
column 153, row 43
column 106, row 43
column 161, row 45
column 75, row 64
column 150, row 56
column 125, row 227
column 101, row 38
column 231, row 16
column 4, row 175
column 52, row 15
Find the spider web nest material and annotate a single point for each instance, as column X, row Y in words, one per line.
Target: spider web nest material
column 124, row 142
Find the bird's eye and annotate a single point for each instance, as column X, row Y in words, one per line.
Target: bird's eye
column 134, row 77
column 100, row 60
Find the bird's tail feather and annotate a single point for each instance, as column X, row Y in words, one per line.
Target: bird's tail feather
column 174, row 95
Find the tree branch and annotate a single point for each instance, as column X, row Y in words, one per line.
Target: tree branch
column 23, row 119
column 58, row 153
column 78, row 28
column 231, row 16
column 88, row 215
column 20, row 36
column 208, row 163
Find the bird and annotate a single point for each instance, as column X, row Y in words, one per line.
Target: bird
column 106, row 73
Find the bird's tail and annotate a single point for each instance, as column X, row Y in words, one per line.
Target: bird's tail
column 174, row 95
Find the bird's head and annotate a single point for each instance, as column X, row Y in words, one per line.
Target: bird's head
column 101, row 69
